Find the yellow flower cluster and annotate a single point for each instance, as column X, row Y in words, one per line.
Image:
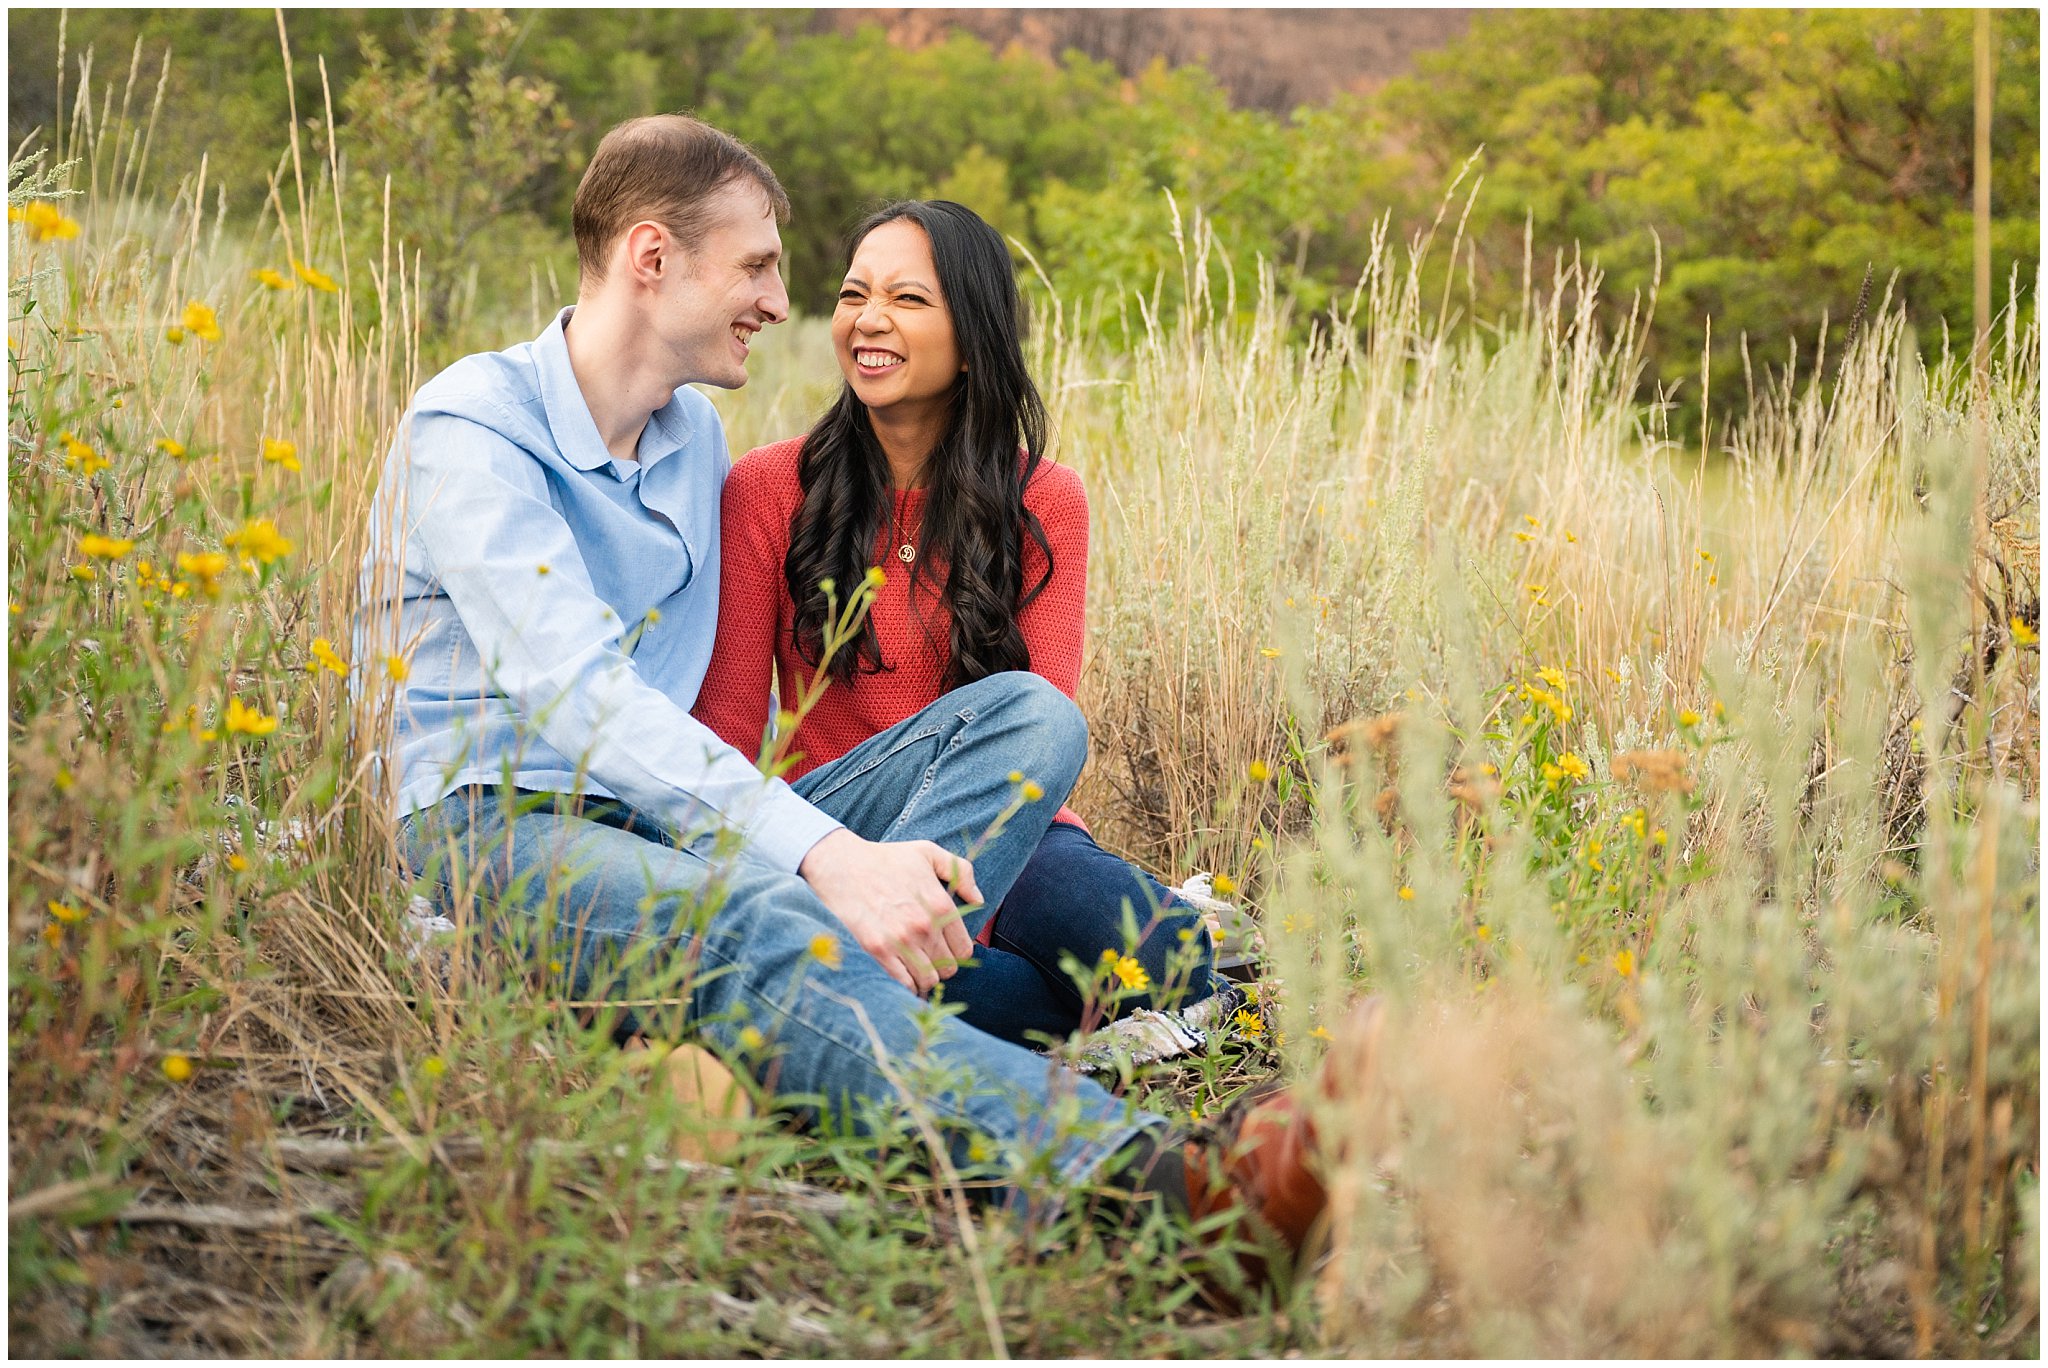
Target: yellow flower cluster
column 1566, row 766
column 281, row 453
column 198, row 321
column 1127, row 970
column 247, row 721
column 44, row 221
column 273, row 279
column 105, row 548
column 825, row 950
column 80, row 457
column 204, row 569
column 324, row 654
column 315, row 277
column 258, row 539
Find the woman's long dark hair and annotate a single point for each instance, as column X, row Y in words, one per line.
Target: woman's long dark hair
column 975, row 520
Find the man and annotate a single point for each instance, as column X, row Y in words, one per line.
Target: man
column 544, row 557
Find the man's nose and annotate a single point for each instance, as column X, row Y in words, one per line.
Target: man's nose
column 774, row 304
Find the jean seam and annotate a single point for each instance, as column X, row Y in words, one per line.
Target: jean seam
column 870, row 765
column 931, row 773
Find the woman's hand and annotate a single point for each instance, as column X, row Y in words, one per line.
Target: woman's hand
column 897, row 898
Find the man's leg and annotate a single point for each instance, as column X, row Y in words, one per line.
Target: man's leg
column 746, row 941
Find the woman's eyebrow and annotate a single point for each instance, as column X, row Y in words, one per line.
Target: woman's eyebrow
column 911, row 284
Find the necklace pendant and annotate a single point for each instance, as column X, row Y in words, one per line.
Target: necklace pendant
column 906, row 553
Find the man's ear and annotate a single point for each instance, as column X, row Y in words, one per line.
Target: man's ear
column 649, row 253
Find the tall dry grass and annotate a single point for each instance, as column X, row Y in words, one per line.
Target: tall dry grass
column 1734, row 1050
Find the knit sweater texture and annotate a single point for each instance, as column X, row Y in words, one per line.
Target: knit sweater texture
column 756, row 645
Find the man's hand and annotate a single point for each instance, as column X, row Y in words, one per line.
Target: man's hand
column 897, row 899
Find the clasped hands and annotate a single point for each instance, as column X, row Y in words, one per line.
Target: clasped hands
column 898, row 898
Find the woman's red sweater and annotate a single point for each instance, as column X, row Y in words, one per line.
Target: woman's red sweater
column 756, row 618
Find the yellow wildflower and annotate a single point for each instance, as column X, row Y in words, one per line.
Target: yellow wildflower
column 1258, row 772
column 1688, row 718
column 1223, row 885
column 396, row 667
column 105, row 548
column 1574, row 767
column 875, row 578
column 1270, row 652
column 199, row 320
column 175, row 335
column 1319, row 1033
column 1031, row 791
column 1407, row 893
column 653, row 616
column 1532, row 520
column 273, row 279
column 65, row 779
column 1248, row 1022
column 752, row 1040
column 247, row 720
column 204, row 568
column 2022, row 634
column 1537, row 590
column 1572, row 538
column 84, row 574
column 1552, row 676
column 177, row 1068
column 1625, row 963
column 315, row 277
column 238, row 862
column 554, row 966
column 171, row 447
column 825, row 950
column 433, row 1066
column 281, row 453
column 43, row 220
column 259, row 539
column 65, row 912
column 541, row 569
column 323, row 654
column 1484, row 932
column 1523, row 537
column 80, row 457
column 1131, row 973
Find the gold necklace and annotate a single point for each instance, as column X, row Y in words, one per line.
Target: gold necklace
column 906, row 550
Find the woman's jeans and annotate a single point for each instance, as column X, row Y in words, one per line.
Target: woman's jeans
column 1073, row 903
column 613, row 905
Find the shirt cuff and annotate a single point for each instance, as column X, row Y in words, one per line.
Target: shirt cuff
column 785, row 828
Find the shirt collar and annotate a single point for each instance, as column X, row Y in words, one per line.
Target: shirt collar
column 668, row 429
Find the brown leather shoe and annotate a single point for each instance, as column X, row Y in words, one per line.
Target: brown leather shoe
column 1261, row 1161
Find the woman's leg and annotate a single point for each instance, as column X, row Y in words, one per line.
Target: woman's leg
column 1075, row 899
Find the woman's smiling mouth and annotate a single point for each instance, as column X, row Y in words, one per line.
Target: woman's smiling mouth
column 875, row 360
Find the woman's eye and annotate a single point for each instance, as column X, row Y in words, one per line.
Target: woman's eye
column 849, row 296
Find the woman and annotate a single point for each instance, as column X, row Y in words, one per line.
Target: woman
column 929, row 465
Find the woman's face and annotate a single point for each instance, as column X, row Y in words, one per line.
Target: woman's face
column 892, row 331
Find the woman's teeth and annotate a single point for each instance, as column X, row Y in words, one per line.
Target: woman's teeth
column 877, row 360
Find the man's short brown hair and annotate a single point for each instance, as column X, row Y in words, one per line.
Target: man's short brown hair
column 664, row 167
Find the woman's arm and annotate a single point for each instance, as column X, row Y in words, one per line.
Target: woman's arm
column 1055, row 624
column 753, row 538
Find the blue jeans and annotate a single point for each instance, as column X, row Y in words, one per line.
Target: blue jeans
column 1075, row 901
column 621, row 907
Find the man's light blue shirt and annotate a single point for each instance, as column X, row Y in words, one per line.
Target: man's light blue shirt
column 555, row 606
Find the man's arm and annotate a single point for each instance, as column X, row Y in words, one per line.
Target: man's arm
column 478, row 507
